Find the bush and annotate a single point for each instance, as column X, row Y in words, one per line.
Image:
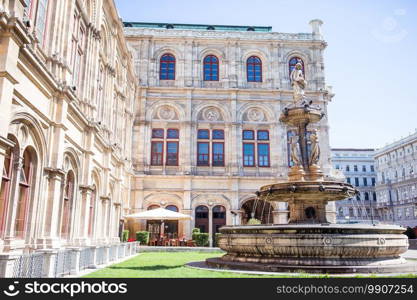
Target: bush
column 125, row 235
column 201, row 239
column 142, row 237
column 254, row 222
column 216, row 239
column 194, row 231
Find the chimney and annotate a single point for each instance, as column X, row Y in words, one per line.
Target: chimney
column 316, row 27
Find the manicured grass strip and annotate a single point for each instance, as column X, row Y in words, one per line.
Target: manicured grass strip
column 172, row 265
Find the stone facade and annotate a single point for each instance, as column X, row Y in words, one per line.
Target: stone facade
column 231, row 104
column 397, row 182
column 358, row 167
column 67, row 93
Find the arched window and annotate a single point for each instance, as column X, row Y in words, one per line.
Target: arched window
column 25, row 188
column 167, row 67
column 171, row 226
column 153, row 207
column 293, row 61
column 172, row 208
column 5, row 187
column 67, row 205
column 91, row 211
column 219, row 219
column 202, row 218
column 211, row 68
column 254, row 69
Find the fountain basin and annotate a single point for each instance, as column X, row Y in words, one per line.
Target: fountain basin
column 322, row 248
column 322, row 191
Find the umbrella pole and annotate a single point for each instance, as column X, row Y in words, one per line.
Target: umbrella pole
column 162, row 228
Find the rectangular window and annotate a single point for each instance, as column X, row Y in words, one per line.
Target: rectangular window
column 203, row 134
column 172, row 154
column 347, row 168
column 203, row 154
column 373, row 181
column 248, row 155
column 218, row 134
column 157, row 133
column 263, row 135
column 41, row 20
column 173, row 134
column 156, row 153
column 248, row 135
column 348, row 180
column 355, row 168
column 356, row 181
column 363, row 168
column 365, row 182
column 263, row 155
column 218, row 154
column 372, row 168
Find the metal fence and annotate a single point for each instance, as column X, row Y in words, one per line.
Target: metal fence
column 86, row 258
column 101, row 255
column 112, row 253
column 64, row 263
column 28, row 266
column 69, row 261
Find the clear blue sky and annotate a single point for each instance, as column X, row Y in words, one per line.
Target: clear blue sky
column 371, row 59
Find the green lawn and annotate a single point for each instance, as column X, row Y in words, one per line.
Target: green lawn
column 171, row 265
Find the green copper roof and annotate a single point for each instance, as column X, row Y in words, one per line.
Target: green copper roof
column 198, row 26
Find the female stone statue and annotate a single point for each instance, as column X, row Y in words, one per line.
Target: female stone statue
column 295, row 151
column 298, row 82
column 315, row 149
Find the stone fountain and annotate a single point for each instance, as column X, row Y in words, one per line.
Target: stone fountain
column 309, row 242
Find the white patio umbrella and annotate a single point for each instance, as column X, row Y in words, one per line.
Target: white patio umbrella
column 160, row 214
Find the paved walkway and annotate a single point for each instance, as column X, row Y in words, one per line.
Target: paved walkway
column 411, row 254
column 177, row 249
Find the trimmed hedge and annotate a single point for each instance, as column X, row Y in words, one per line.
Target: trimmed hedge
column 216, row 238
column 194, row 232
column 142, row 237
column 201, row 239
column 125, row 235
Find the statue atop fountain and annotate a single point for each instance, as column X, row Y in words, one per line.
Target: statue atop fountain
column 298, row 83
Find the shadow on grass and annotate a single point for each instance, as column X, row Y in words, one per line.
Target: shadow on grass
column 147, row 268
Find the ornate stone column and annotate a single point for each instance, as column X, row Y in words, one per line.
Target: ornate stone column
column 86, row 191
column 211, row 224
column 55, row 180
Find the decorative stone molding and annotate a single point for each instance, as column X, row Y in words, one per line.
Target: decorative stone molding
column 166, row 113
column 255, row 115
column 211, row 114
column 105, row 198
column 54, row 173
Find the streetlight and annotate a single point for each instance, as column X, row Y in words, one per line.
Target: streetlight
column 390, row 199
